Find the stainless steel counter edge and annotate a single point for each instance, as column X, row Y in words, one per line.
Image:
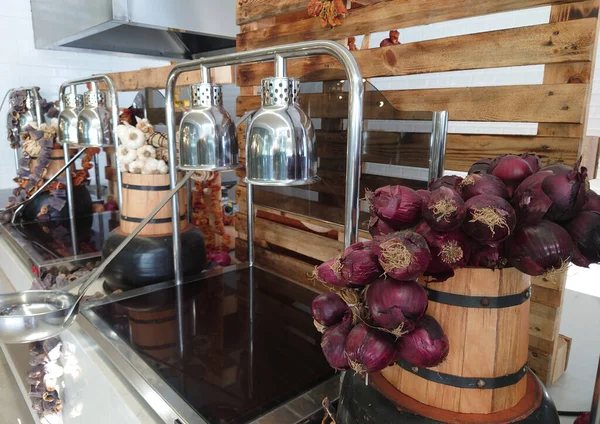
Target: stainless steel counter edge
column 160, row 397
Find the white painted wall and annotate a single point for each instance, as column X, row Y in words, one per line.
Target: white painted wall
column 22, row 65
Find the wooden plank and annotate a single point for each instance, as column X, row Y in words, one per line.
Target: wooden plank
column 525, row 103
column 543, row 322
column 589, row 146
column 302, row 242
column 253, row 10
column 157, row 78
column 560, row 130
column 381, row 17
column 546, row 296
column 412, row 149
column 561, row 359
column 539, row 44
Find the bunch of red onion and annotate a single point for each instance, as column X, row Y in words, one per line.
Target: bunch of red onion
column 508, row 211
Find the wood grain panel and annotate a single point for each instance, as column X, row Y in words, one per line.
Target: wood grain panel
column 157, row 78
column 412, row 149
column 550, row 43
column 524, row 103
column 381, row 17
column 302, row 242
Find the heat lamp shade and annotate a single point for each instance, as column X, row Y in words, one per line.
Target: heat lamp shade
column 94, row 123
column 281, row 147
column 208, row 140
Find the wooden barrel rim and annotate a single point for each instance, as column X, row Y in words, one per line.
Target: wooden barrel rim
column 152, row 221
column 526, row 406
column 491, row 302
column 465, row 382
column 146, row 188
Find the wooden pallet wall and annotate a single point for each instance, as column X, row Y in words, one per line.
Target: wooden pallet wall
column 291, row 244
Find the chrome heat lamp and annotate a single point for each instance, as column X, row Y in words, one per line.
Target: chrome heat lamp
column 33, row 113
column 280, row 147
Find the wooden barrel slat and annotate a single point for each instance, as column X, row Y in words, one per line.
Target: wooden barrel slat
column 485, row 342
column 57, row 161
column 141, row 194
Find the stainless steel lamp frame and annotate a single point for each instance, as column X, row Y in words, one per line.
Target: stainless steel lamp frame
column 279, row 55
column 114, row 105
column 38, row 113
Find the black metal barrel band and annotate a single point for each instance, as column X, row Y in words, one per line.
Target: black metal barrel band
column 487, row 302
column 146, row 188
column 465, row 382
column 152, row 221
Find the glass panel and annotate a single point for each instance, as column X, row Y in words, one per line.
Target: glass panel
column 395, row 150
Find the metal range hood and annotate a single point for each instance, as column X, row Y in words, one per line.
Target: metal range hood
column 170, row 29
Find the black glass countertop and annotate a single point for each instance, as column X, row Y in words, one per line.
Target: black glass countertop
column 231, row 370
column 48, row 243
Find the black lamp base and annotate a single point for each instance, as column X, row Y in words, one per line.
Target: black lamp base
column 149, row 260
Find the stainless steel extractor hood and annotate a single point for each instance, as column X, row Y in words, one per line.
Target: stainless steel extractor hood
column 171, row 29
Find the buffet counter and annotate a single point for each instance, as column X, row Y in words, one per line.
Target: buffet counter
column 95, row 392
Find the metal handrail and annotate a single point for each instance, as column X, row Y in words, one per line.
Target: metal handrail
column 114, row 104
column 278, row 55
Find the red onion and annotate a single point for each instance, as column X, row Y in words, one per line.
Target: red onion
column 450, row 181
column 403, row 256
column 368, row 349
column 448, row 250
column 584, row 230
column 537, row 249
column 534, row 161
column 476, row 184
column 489, row 256
column 425, row 195
column 111, row 205
column 329, row 272
column 512, row 170
column 482, row 166
column 220, row 258
column 399, row 206
column 425, row 347
column 328, row 309
column 489, row 218
column 593, row 203
column 333, row 343
column 445, row 210
column 583, row 418
column 529, row 201
column 360, row 264
column 378, row 227
column 396, row 305
column 568, row 193
column 558, row 168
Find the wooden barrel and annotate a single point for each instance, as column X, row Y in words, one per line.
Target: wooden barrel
column 57, row 161
column 155, row 332
column 141, row 194
column 485, row 315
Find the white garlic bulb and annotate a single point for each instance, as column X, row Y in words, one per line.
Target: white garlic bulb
column 134, row 139
column 163, row 168
column 136, row 167
column 123, row 131
column 145, row 126
column 146, row 153
column 125, row 155
column 150, row 166
column 123, row 167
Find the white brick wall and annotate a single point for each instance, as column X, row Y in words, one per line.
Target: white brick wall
column 22, row 65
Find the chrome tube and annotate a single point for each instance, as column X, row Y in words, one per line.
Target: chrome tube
column 69, row 184
column 303, row 49
column 38, row 107
column 595, row 413
column 188, row 194
column 17, row 159
column 250, row 211
column 437, row 144
column 97, row 176
column 280, row 67
column 114, row 106
column 20, row 206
